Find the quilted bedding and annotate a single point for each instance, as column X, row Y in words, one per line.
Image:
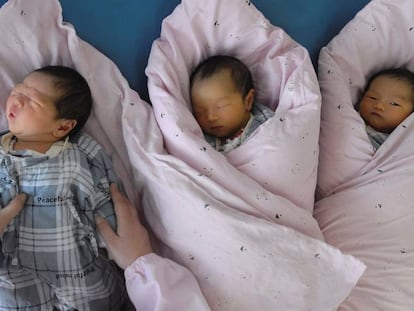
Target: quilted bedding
column 366, row 198
column 242, row 223
column 246, row 231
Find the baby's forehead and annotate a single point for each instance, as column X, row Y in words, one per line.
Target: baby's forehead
column 40, row 85
column 387, row 83
column 222, row 73
column 41, row 81
column 389, row 78
column 38, row 76
column 223, row 77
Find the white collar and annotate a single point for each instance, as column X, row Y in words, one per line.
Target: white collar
column 8, row 140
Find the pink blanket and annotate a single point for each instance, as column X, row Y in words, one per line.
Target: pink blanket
column 243, row 223
column 217, row 221
column 367, row 198
column 274, row 171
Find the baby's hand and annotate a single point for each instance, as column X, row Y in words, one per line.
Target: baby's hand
column 11, row 210
column 131, row 240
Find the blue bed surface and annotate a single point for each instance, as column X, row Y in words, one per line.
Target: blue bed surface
column 124, row 30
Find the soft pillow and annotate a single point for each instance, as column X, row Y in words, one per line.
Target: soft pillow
column 366, row 197
column 35, row 35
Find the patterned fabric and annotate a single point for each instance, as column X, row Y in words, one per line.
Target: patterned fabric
column 376, row 138
column 260, row 114
column 49, row 253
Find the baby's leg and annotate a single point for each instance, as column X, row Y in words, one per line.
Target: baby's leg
column 20, row 290
column 100, row 287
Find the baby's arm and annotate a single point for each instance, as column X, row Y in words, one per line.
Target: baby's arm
column 8, row 213
column 11, row 210
column 103, row 202
column 101, row 170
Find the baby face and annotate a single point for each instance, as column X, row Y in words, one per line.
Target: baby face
column 30, row 108
column 218, row 107
column 386, row 103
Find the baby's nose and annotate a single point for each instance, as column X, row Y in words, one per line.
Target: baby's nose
column 212, row 116
column 379, row 105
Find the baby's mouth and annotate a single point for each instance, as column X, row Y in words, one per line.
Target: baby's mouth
column 216, row 130
column 376, row 114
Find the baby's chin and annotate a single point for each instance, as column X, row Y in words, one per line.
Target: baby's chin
column 16, row 131
column 218, row 132
column 12, row 129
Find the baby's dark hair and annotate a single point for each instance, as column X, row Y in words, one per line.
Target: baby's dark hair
column 75, row 103
column 240, row 74
column 395, row 73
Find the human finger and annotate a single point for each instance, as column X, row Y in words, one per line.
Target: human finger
column 124, row 210
column 105, row 230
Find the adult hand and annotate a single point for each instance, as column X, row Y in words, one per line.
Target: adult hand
column 11, row 210
column 131, row 240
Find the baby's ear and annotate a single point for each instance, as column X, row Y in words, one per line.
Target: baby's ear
column 63, row 127
column 249, row 99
